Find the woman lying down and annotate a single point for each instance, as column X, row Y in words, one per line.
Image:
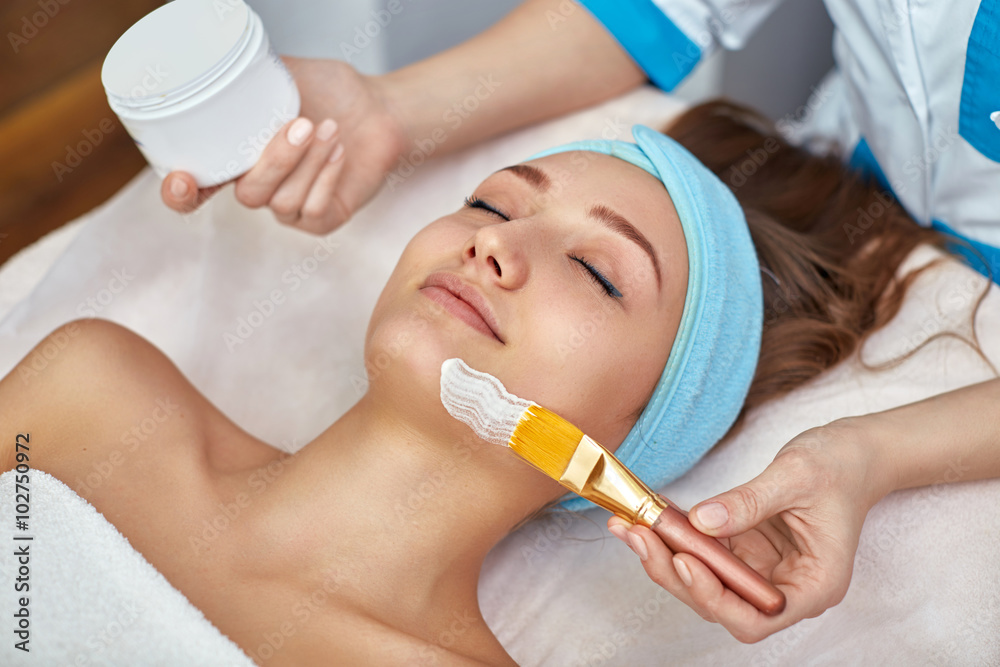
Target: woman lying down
column 636, row 237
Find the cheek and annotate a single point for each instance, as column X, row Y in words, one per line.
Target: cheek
column 431, row 248
column 598, row 369
column 435, row 244
column 397, row 342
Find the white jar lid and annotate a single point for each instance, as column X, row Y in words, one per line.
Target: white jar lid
column 174, row 46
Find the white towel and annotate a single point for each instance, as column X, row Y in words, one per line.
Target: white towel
column 557, row 593
column 93, row 599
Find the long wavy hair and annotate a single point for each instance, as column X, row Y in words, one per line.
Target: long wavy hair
column 830, row 243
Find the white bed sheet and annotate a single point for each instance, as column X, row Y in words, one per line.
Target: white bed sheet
column 558, row 592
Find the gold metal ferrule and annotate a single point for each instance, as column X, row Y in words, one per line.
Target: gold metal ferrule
column 594, row 473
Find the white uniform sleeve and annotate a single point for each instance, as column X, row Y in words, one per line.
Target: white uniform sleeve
column 667, row 38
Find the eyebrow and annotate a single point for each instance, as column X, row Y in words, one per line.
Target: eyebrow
column 599, row 212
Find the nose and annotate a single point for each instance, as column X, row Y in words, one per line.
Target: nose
column 497, row 253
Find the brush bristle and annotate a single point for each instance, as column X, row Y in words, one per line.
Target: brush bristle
column 545, row 440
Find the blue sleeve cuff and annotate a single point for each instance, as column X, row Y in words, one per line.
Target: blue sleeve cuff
column 658, row 46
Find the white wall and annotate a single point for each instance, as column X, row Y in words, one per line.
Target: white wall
column 321, row 28
column 367, row 35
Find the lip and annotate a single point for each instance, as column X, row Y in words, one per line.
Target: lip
column 463, row 301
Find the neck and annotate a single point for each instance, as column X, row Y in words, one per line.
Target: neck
column 401, row 517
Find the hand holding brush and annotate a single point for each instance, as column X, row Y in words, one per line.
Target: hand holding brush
column 797, row 524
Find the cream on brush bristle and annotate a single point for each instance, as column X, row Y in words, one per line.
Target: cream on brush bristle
column 545, row 440
column 540, row 437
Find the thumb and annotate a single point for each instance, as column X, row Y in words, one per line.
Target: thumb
column 742, row 508
column 180, row 192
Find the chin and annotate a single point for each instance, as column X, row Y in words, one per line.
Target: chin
column 404, row 353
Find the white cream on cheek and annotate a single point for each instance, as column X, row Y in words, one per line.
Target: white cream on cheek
column 481, row 401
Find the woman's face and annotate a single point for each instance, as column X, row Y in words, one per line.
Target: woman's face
column 565, row 278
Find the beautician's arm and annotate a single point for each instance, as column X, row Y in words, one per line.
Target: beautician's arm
column 798, row 522
column 544, row 59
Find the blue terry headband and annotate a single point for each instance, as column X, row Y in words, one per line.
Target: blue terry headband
column 709, row 369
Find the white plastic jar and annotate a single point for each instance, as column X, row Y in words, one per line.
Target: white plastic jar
column 198, row 87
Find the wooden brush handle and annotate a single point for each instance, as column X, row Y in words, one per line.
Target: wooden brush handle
column 677, row 533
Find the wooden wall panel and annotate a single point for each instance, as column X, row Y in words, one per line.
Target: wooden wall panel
column 53, row 109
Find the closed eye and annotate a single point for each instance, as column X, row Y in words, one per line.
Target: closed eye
column 476, row 202
column 598, row 277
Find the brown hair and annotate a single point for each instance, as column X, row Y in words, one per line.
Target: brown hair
column 829, row 241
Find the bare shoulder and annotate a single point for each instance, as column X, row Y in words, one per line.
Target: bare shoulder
column 86, row 383
column 95, row 394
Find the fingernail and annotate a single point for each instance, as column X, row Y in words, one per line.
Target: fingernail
column 299, row 130
column 619, row 532
column 326, row 129
column 178, row 188
column 337, row 152
column 713, row 515
column 682, row 571
column 638, row 546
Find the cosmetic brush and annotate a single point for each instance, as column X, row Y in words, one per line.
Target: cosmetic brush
column 563, row 452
